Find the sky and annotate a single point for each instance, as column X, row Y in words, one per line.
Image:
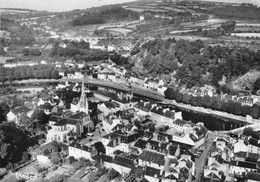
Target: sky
column 67, row 5
column 57, row 5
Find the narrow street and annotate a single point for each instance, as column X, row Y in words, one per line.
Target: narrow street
column 199, row 162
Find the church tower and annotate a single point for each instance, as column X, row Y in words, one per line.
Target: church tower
column 83, row 102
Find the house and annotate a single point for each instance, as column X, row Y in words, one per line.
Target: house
column 136, row 81
column 14, row 115
column 65, row 128
column 108, row 107
column 153, row 84
column 78, row 75
column 81, row 151
column 162, row 88
column 46, row 107
column 151, row 159
column 164, row 116
column 152, row 174
column 252, row 177
column 122, row 164
column 239, row 168
column 121, row 139
column 143, row 108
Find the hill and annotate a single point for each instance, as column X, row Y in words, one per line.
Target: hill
column 193, row 63
column 238, row 12
column 104, row 15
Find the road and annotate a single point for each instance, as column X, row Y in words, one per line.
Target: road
column 200, row 162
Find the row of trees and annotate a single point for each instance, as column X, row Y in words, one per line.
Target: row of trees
column 214, row 103
column 28, row 72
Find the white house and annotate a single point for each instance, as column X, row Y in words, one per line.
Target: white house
column 81, row 151
column 14, row 115
column 241, row 167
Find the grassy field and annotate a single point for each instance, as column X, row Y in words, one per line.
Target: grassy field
column 145, row 8
column 244, row 29
column 246, row 34
column 3, row 59
column 120, row 30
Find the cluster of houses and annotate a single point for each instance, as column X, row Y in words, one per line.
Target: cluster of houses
column 158, row 155
column 248, row 99
column 233, row 158
column 138, row 135
column 140, row 139
column 144, row 140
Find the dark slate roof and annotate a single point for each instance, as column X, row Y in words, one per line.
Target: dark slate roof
column 123, row 161
column 157, row 110
column 247, row 156
column 46, row 106
column 147, row 107
column 152, row 157
column 139, row 105
column 253, row 176
column 110, row 104
column 130, row 138
column 254, row 142
column 140, row 144
column 136, row 172
column 180, row 122
column 81, row 147
column 73, row 119
column 79, row 115
column 55, row 118
column 172, row 177
column 103, row 158
column 19, row 110
column 65, row 121
column 211, row 177
column 169, row 114
column 250, row 165
column 148, row 134
column 153, row 172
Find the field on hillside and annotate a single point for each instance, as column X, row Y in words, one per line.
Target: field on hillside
column 244, row 29
column 121, row 30
column 3, row 59
column 145, row 8
column 246, row 34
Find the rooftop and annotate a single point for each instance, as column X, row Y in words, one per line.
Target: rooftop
column 153, row 172
column 152, row 157
column 20, row 110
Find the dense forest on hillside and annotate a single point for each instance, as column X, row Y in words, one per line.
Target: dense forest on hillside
column 108, row 13
column 238, row 12
column 192, row 63
column 20, row 35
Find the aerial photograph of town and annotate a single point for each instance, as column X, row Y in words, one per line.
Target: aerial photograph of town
column 129, row 90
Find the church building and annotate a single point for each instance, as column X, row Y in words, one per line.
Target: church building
column 63, row 128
